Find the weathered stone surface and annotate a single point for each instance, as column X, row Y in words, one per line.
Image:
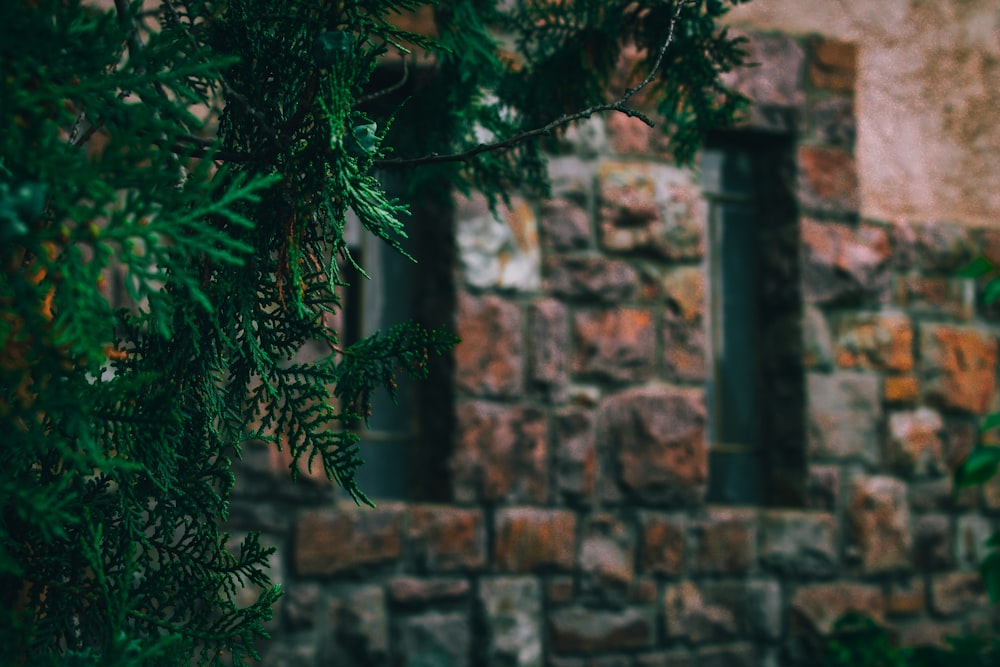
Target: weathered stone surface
column 832, row 64
column 935, row 296
column 549, row 351
column 932, row 542
column 915, row 442
column 878, row 521
column 778, row 81
column 616, row 345
column 802, row 544
column 607, row 556
column 955, row 592
column 497, row 250
column 658, row 435
column 300, row 606
column 435, row 638
column 559, row 589
column 844, row 414
column 684, row 332
column 579, row 629
column 651, row 208
column 970, row 542
column 880, row 341
column 935, row 495
column 755, row 605
column 488, row 362
column 512, row 607
column 500, row 453
column 330, row 541
column 662, row 545
column 901, row 389
column 823, row 487
column 828, row 179
column 959, row 366
column 817, row 341
column 689, row 617
column 576, row 454
column 530, row 539
column 958, row 439
column 442, row 538
column 815, row 608
column 629, row 135
column 733, row 655
column 358, row 630
column 906, row 598
column 590, row 278
column 841, row 264
column 726, row 542
column 932, row 247
column 665, row 659
column 415, row 591
column 927, row 633
column 833, row 121
column 564, row 225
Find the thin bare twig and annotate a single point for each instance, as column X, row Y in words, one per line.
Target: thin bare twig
column 387, row 90
column 618, row 105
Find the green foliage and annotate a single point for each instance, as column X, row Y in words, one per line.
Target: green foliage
column 120, row 420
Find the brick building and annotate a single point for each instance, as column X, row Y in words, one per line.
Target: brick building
column 696, row 414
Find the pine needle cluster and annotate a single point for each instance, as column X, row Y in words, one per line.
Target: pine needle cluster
column 207, row 153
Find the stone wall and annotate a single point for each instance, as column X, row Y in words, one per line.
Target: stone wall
column 579, row 534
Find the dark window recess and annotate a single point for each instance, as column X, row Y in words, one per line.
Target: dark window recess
column 406, row 444
column 756, row 390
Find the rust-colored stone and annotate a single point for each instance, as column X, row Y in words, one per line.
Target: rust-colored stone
column 832, row 64
column 688, row 616
column 816, row 608
column 590, row 279
column 662, row 544
column 488, row 360
column 902, row 389
column 576, row 453
column 915, row 442
column 828, row 179
column 844, row 264
column 960, row 367
column 726, row 542
column 443, row 538
column 615, row 344
column 564, row 225
column 548, row 357
column 878, row 519
column 530, row 539
column 955, row 592
column 331, row 541
column 879, row 341
column 906, row 598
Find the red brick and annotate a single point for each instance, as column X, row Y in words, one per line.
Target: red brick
column 615, row 344
column 443, row 538
column 662, row 544
column 960, row 367
column 658, row 435
column 879, row 341
column 331, row 541
column 530, row 539
column 726, row 542
column 488, row 360
column 815, row 608
column 828, row 179
column 500, row 453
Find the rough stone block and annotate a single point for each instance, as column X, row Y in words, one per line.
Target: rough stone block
column 959, row 367
column 955, row 592
column 823, row 487
column 662, row 545
column 914, row 445
column 799, row 544
column 607, row 556
column 564, row 225
column 878, row 520
column 970, row 543
column 442, row 538
column 617, row 345
column 901, row 389
column 932, row 542
column 828, row 179
column 529, row 539
column 651, row 208
column 817, row 607
column 575, row 440
column 689, row 617
column 488, row 361
column 844, row 416
column 842, row 264
column 512, row 608
column 833, row 121
column 590, row 279
column 778, row 80
column 499, row 250
column 332, row 541
column 906, row 598
column 500, row 453
column 817, row 341
column 932, row 247
column 658, row 435
column 832, row 64
column 549, row 356
column 679, row 658
column 684, row 332
column 935, row 296
column 733, row 655
column 579, row 629
column 417, row 592
column 726, row 542
column 879, row 341
column 756, row 606
column 358, row 630
column 435, row 638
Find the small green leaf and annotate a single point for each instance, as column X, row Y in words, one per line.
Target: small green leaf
column 990, row 422
column 990, row 571
column 992, row 291
column 978, row 467
column 978, row 267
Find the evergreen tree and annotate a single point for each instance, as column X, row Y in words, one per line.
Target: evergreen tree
column 209, row 150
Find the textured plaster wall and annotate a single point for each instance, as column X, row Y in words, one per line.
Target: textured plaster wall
column 928, row 99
